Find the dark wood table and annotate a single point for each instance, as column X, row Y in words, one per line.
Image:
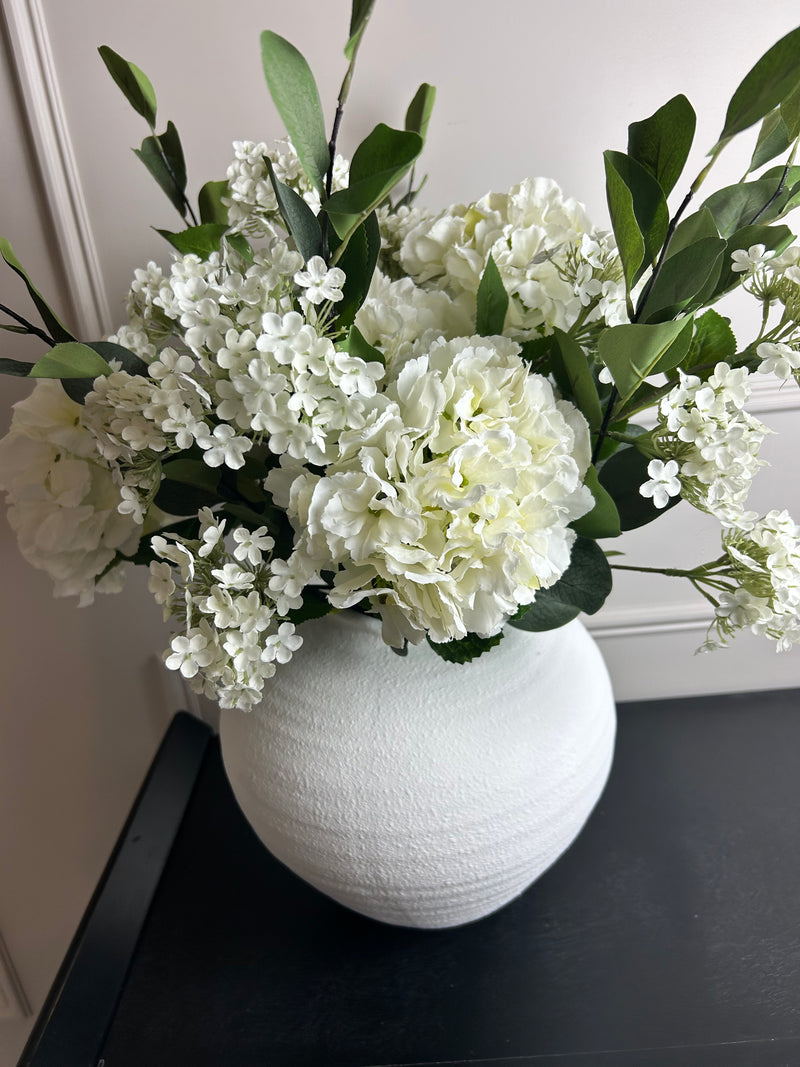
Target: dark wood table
column 669, row 934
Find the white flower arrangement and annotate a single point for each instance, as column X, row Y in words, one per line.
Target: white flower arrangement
column 337, row 400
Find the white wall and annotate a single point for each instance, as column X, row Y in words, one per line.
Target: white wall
column 524, row 88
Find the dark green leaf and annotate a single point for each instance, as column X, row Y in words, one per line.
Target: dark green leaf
column 294, row 93
column 773, row 139
column 492, row 302
column 746, row 203
column 70, row 360
column 603, row 519
column 536, row 351
column 15, row 367
column 379, row 162
column 315, row 605
column 360, row 348
column 301, row 222
column 54, row 326
column 682, row 277
column 209, row 201
column 11, row 328
column 192, row 472
column 177, row 498
column 790, row 113
column 583, row 586
column 133, row 82
column 775, row 77
column 621, row 475
column 163, row 157
column 465, row 650
column 358, row 263
column 661, row 143
column 420, row 109
column 202, row 240
column 634, row 351
column 650, row 212
column 574, row 376
column 359, row 17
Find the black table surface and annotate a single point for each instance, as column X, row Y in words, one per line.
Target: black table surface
column 668, row 934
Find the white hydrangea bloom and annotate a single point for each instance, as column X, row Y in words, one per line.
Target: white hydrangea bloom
column 63, row 499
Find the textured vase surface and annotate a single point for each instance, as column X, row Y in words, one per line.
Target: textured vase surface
column 419, row 792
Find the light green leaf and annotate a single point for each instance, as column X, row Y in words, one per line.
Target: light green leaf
column 301, row 222
column 294, row 93
column 634, row 351
column 378, row 164
column 574, row 376
column 583, row 586
column 209, row 201
column 773, row 139
column 492, row 302
column 360, row 348
column 134, row 83
column 359, row 17
column 713, row 341
column 746, row 203
column 775, row 77
column 200, row 240
column 54, row 326
column 77, row 389
column 420, row 109
column 603, row 519
column 692, row 229
column 70, row 360
column 163, row 157
column 661, row 142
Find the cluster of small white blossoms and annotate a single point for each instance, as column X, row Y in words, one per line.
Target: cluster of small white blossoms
column 764, row 562
column 775, row 279
column 710, row 444
column 557, row 270
column 450, row 506
column 252, row 207
column 233, row 599
column 62, row 497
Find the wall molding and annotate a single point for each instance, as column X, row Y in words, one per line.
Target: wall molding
column 650, row 620
column 55, row 158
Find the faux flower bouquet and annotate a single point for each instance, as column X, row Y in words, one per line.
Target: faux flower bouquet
column 335, row 399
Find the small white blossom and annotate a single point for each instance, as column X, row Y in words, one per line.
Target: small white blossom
column 779, row 359
column 320, row 281
column 664, row 482
column 224, row 447
column 251, row 544
column 748, row 262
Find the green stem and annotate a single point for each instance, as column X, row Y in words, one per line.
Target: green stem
column 28, row 326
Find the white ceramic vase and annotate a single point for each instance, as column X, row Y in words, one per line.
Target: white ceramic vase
column 419, row 792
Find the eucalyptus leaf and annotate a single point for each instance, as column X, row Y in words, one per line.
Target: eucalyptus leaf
column 163, row 157
column 621, row 476
column 54, row 326
column 359, row 17
column 420, row 110
column 466, row 649
column 774, row 77
column 649, row 206
column 294, row 93
column 603, row 520
column 301, row 222
column 358, row 263
column 379, row 162
column 133, row 82
column 583, row 586
column 634, row 351
column 202, row 240
column 71, row 359
column 209, row 201
column 661, row 142
column 571, row 367
column 492, row 302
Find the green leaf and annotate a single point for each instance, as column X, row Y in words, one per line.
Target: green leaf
column 492, row 302
column 178, row 498
column 294, row 93
column 359, row 17
column 209, row 201
column 746, row 203
column 621, row 475
column 378, row 164
column 574, row 376
column 77, row 389
column 682, row 277
column 15, row 367
column 634, row 351
column 70, row 360
column 647, row 205
column 54, row 326
column 790, row 113
column 420, row 109
column 536, row 351
column 133, row 82
column 360, row 348
column 163, row 157
column 775, row 77
column 583, row 586
column 773, row 139
column 661, row 143
column 202, row 240
column 603, row 519
column 466, row 649
column 693, row 228
column 192, row 472
column 713, row 341
column 301, row 222
column 315, row 605
column 358, row 263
